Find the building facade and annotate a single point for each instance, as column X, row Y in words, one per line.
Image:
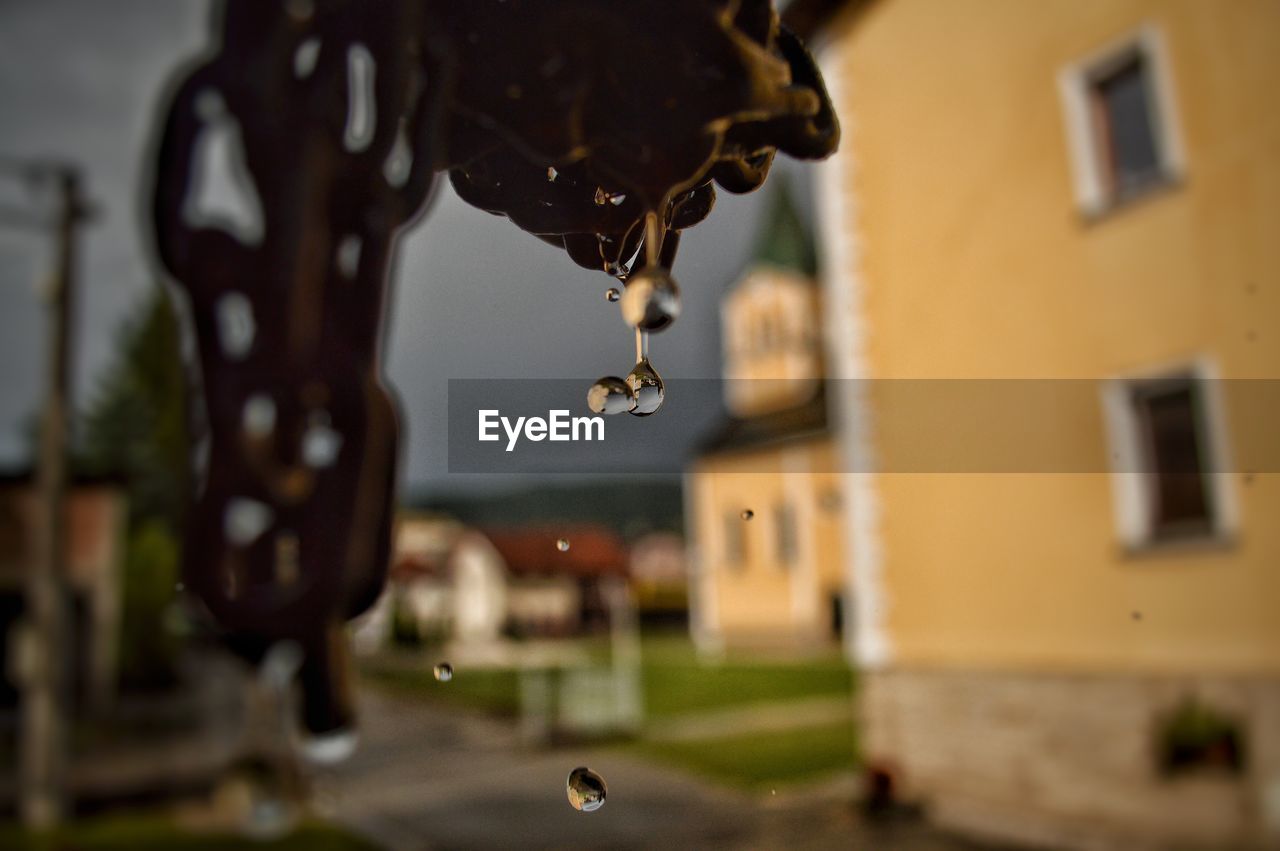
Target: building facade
column 763, row 498
column 1050, row 273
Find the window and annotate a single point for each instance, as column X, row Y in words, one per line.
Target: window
column 1123, row 110
column 1168, row 416
column 784, row 526
column 735, row 540
column 1120, row 124
column 1167, row 450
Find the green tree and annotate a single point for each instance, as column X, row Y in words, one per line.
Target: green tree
column 134, row 429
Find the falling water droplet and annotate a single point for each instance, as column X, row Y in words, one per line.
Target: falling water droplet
column 648, row 388
column 586, row 790
column 610, row 395
column 651, row 301
column 444, row 672
column 613, row 294
column 552, row 174
column 617, row 200
column 562, row 545
column 747, row 514
column 601, row 196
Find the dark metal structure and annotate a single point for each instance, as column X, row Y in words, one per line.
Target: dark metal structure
column 596, row 125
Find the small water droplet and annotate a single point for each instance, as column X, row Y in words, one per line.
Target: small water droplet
column 613, row 294
column 444, row 672
column 562, row 545
column 179, row 587
column 773, row 791
column 586, row 790
column 610, row 395
column 747, row 514
column 651, row 301
column 552, row 174
column 617, row 200
column 245, row 519
column 647, row 386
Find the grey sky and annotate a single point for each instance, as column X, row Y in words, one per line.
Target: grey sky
column 473, row 296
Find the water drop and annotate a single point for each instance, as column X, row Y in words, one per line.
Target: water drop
column 610, row 395
column 616, row 200
column 562, row 545
column 245, row 519
column 647, row 386
column 613, row 294
column 586, row 790
column 320, row 445
column 444, row 672
column 747, row 514
column 651, row 301
column 552, row 174
column 601, row 197
column 179, row 587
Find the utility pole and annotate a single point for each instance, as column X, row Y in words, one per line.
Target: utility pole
column 45, row 651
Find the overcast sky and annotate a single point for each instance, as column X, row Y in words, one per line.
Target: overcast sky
column 474, row 296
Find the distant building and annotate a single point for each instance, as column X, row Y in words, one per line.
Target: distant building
column 659, row 577
column 96, row 518
column 763, row 496
column 449, row 581
column 1084, row 650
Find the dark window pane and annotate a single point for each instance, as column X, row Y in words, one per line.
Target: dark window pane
column 1170, row 417
column 785, row 529
column 1125, row 102
column 735, row 540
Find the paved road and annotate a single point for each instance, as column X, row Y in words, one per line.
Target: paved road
column 425, row 778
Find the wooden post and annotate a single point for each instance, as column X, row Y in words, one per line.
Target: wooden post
column 45, row 689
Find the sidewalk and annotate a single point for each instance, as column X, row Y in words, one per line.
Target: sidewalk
column 426, row 778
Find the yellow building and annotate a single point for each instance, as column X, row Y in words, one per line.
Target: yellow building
column 763, row 498
column 1065, row 590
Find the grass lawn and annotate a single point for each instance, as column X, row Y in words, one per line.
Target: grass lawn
column 156, row 833
column 675, row 681
column 760, row 761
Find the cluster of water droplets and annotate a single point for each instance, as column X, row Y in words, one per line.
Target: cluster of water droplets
column 649, row 303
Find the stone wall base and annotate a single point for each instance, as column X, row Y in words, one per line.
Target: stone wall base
column 1070, row 761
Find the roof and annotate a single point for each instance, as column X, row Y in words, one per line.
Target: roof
column 805, row 421
column 593, row 551
column 784, row 240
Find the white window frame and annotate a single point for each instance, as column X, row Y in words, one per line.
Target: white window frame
column 1132, row 485
column 1093, row 192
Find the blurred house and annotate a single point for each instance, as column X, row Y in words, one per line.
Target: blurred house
column 96, row 516
column 659, row 578
column 1086, row 197
column 763, row 498
column 449, row 581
